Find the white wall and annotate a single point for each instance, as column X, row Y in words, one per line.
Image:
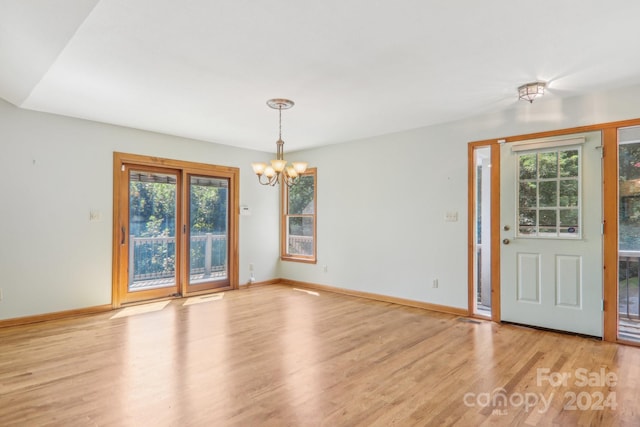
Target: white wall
column 381, row 225
column 54, row 170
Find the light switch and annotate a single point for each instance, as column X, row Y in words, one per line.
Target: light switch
column 451, row 216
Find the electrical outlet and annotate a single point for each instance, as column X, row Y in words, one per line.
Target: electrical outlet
column 0, row 294
column 325, row 268
column 451, row 216
column 251, row 266
column 435, row 283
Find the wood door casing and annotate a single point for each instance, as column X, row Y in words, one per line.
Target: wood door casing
column 121, row 163
column 610, row 199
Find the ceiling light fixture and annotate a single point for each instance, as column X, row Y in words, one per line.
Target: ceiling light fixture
column 531, row 91
column 279, row 171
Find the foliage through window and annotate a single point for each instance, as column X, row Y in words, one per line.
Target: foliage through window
column 629, row 189
column 299, row 219
column 549, row 196
column 152, row 223
column 208, row 228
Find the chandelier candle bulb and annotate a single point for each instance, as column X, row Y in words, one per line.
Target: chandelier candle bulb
column 269, row 172
column 278, row 165
column 258, row 168
column 299, row 167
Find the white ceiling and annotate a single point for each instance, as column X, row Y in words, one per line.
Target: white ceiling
column 355, row 68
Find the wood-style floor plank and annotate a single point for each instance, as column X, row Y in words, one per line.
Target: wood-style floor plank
column 276, row 356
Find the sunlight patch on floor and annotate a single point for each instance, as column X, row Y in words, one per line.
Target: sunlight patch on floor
column 204, row 298
column 141, row 309
column 307, row 292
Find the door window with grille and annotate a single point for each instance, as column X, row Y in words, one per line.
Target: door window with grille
column 549, row 193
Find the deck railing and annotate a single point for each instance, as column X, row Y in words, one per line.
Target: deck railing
column 153, row 258
column 628, row 268
column 300, row 245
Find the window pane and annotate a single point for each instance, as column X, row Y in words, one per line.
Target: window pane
column 548, row 165
column 300, row 235
column 548, row 221
column 152, row 230
column 629, row 192
column 527, row 222
column 548, row 194
column 528, row 195
column 208, row 207
column 569, row 192
column 569, row 221
column 301, row 196
column 569, row 163
column 528, row 166
column 549, row 180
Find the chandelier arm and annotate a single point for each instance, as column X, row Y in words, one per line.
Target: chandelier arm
column 260, row 180
column 290, row 181
column 270, row 181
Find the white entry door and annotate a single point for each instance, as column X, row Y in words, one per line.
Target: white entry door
column 551, row 221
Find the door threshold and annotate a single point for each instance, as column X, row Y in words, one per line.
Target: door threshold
column 558, row 331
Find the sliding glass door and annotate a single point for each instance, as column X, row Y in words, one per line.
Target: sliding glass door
column 175, row 228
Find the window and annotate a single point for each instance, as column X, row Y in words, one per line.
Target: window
column 299, row 219
column 549, row 193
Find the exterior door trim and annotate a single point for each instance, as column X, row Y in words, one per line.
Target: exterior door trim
column 610, row 202
column 120, row 159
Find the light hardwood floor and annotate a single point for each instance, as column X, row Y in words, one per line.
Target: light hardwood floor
column 273, row 355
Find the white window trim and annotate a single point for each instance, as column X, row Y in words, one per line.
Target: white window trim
column 549, row 143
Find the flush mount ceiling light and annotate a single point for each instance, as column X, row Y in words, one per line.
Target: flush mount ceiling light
column 531, row 91
column 278, row 171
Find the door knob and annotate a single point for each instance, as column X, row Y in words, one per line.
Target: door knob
column 507, row 228
column 505, row 241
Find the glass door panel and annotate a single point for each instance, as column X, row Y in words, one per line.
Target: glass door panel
column 152, row 230
column 482, row 240
column 208, row 248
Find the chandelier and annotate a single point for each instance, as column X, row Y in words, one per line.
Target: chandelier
column 278, row 171
column 531, row 91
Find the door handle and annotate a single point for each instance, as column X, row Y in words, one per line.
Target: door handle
column 506, row 241
column 123, row 236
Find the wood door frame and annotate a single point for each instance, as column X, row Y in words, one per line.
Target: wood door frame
column 120, row 191
column 609, row 132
